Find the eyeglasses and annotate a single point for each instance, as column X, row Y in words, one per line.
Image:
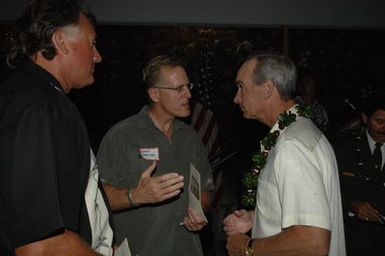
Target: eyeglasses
column 179, row 88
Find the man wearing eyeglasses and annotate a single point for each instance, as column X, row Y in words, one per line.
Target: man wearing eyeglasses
column 159, row 221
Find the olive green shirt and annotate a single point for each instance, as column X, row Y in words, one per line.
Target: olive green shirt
column 153, row 229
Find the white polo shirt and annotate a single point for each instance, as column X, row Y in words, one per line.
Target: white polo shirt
column 299, row 185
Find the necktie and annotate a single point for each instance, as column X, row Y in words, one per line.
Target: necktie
column 377, row 156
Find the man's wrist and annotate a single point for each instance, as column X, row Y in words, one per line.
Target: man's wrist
column 249, row 251
column 130, row 199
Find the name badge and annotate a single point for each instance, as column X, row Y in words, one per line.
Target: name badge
column 149, row 153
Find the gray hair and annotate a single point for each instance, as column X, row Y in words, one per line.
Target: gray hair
column 280, row 70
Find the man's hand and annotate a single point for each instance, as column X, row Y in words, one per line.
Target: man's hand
column 156, row 189
column 239, row 221
column 193, row 222
column 236, row 244
column 365, row 211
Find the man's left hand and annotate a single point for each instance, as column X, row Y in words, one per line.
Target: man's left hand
column 236, row 244
column 193, row 222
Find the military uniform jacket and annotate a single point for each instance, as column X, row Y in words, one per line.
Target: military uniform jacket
column 360, row 181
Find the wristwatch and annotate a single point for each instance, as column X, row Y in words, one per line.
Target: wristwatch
column 249, row 249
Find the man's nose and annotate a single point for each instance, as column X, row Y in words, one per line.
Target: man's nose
column 237, row 98
column 188, row 93
column 97, row 57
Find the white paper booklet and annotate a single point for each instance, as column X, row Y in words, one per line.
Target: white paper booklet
column 195, row 192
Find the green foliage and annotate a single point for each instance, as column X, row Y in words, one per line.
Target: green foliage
column 304, row 111
column 248, row 199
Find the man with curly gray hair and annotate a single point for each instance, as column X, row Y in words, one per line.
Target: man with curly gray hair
column 48, row 177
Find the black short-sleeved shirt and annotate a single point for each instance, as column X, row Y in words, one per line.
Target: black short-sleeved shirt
column 44, row 157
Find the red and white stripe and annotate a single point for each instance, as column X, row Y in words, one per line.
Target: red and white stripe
column 204, row 123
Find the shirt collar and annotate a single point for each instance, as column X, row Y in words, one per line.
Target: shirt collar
column 293, row 110
column 147, row 121
column 372, row 143
column 33, row 68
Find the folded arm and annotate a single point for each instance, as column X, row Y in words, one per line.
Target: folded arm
column 66, row 243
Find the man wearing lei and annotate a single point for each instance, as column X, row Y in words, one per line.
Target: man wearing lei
column 298, row 205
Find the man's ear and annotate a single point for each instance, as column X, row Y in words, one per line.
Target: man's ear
column 268, row 89
column 364, row 118
column 59, row 40
column 153, row 93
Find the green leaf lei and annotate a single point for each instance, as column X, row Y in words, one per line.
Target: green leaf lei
column 250, row 178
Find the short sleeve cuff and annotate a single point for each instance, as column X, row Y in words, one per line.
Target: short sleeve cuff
column 306, row 220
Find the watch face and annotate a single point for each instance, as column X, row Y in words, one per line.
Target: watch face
column 249, row 251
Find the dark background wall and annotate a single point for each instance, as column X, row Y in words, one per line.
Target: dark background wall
column 340, row 41
column 326, row 13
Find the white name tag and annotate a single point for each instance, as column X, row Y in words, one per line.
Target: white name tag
column 149, row 153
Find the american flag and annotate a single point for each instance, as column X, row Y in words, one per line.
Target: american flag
column 203, row 119
column 204, row 123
